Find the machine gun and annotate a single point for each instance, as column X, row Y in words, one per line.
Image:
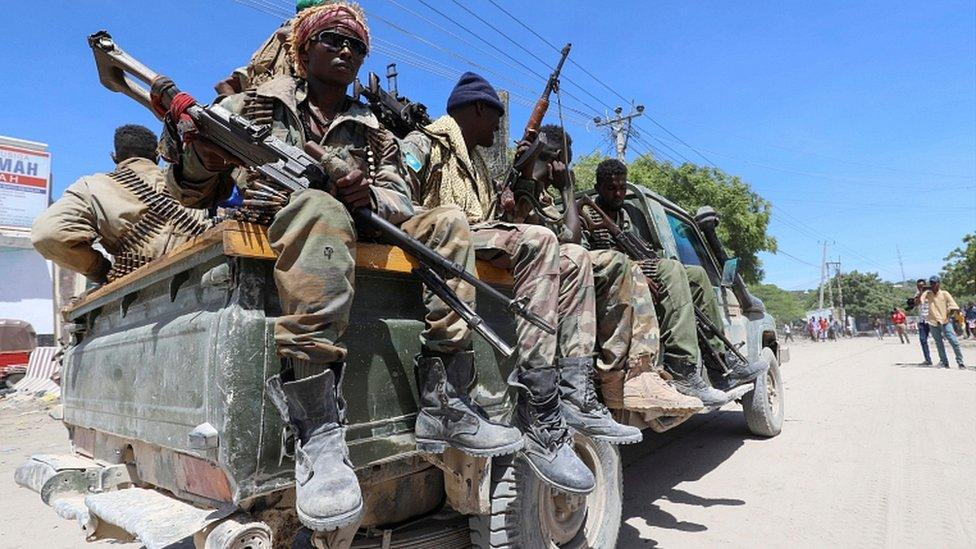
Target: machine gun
column 289, row 169
column 400, row 115
column 522, row 166
column 639, row 250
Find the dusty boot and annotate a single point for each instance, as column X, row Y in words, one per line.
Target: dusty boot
column 448, row 416
column 739, row 372
column 327, row 494
column 647, row 392
column 688, row 381
column 582, row 409
column 548, row 441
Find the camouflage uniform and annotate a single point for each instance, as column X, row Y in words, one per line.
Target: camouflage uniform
column 683, row 287
column 558, row 282
column 129, row 212
column 314, row 235
column 615, row 315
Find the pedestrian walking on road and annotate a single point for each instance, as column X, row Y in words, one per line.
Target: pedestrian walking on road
column 941, row 308
column 787, row 332
column 898, row 319
column 878, row 328
column 823, row 329
column 923, row 315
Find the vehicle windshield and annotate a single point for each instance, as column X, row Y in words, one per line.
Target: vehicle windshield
column 691, row 250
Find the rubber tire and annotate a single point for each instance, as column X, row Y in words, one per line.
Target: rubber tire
column 763, row 419
column 13, row 379
column 514, row 520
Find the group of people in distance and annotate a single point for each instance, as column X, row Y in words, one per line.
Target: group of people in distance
column 612, row 313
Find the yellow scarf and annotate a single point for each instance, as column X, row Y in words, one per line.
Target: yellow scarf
column 463, row 181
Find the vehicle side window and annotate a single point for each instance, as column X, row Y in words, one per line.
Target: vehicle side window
column 691, row 250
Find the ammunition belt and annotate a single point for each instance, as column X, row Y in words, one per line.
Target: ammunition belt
column 599, row 239
column 162, row 210
column 262, row 198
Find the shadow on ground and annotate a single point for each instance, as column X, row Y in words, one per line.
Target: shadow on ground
column 653, row 469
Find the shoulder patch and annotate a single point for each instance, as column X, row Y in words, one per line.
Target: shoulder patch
column 412, row 162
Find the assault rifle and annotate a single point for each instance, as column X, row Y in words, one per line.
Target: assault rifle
column 521, row 167
column 638, row 249
column 290, row 169
column 400, row 115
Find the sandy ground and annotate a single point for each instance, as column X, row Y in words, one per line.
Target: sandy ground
column 875, row 452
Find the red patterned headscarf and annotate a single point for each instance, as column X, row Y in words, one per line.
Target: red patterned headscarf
column 343, row 16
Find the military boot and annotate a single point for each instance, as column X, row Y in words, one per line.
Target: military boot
column 582, row 409
column 688, row 381
column 448, row 416
column 327, row 494
column 646, row 391
column 739, row 372
column 548, row 441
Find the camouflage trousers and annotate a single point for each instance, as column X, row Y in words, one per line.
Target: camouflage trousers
column 626, row 323
column 683, row 288
column 576, row 333
column 315, row 239
column 532, row 254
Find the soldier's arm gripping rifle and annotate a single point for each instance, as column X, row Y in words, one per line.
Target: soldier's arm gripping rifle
column 522, row 166
column 285, row 166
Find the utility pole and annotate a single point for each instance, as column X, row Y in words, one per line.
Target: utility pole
column 900, row 264
column 840, row 292
column 620, row 128
column 823, row 273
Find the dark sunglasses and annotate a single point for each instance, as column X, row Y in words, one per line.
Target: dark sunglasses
column 335, row 42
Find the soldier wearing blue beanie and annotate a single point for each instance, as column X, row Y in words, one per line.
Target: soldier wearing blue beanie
column 472, row 88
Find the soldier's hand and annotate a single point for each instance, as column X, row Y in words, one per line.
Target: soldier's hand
column 528, row 161
column 353, row 190
column 559, row 175
column 228, row 86
column 211, row 156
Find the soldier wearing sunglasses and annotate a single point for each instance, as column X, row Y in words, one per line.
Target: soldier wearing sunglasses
column 315, row 240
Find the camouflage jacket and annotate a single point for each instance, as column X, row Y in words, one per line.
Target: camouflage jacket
column 129, row 211
column 278, row 103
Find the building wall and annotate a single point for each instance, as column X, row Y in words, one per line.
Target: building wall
column 27, row 289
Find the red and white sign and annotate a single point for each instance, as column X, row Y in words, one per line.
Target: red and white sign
column 25, row 177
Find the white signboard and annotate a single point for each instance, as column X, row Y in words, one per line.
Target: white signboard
column 24, row 185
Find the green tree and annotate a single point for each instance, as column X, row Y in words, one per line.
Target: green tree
column 745, row 215
column 783, row 305
column 865, row 294
column 584, row 168
column 959, row 271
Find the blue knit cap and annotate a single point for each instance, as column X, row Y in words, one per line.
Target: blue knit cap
column 472, row 88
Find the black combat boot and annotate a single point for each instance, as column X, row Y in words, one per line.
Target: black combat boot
column 582, row 409
column 688, row 381
column 548, row 441
column 327, row 494
column 448, row 416
column 739, row 372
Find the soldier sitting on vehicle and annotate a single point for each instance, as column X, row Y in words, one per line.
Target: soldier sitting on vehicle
column 129, row 212
column 447, row 169
column 315, row 240
column 682, row 288
column 626, row 332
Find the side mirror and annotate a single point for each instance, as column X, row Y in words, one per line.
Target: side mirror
column 728, row 271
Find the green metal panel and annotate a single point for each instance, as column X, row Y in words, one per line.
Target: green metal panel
column 161, row 357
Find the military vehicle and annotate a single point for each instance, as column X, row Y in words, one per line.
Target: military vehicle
column 173, row 437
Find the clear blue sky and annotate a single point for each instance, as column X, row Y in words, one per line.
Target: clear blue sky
column 857, row 120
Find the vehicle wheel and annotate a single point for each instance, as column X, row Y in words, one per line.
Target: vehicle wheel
column 763, row 405
column 14, row 379
column 237, row 533
column 526, row 513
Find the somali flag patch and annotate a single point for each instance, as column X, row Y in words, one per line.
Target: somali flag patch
column 412, row 162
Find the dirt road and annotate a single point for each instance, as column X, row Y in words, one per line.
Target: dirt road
column 876, row 452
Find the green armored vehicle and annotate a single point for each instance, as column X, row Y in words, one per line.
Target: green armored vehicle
column 173, row 436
